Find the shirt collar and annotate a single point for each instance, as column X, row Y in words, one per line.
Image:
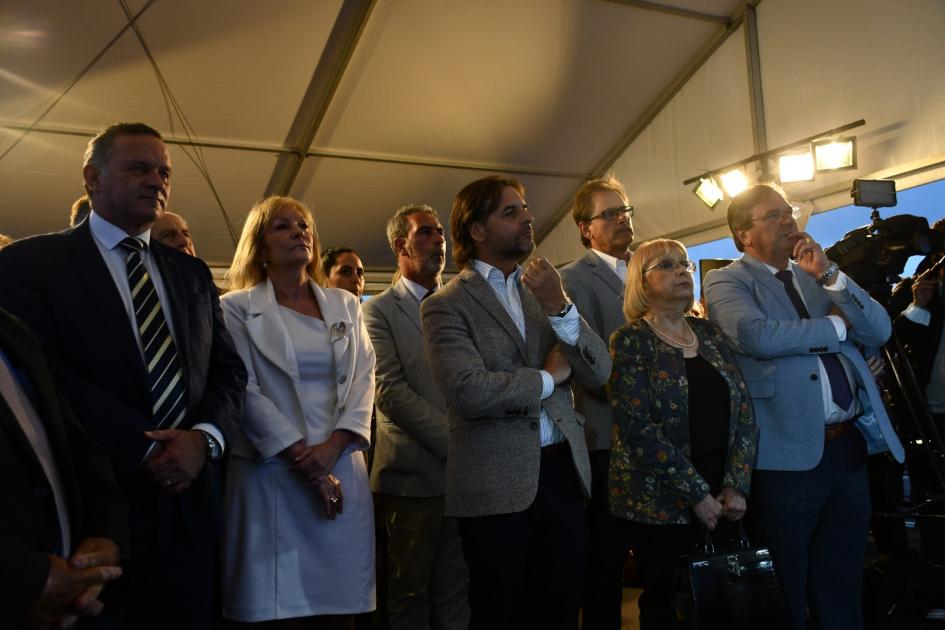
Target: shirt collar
column 611, row 261
column 486, row 271
column 417, row 290
column 109, row 234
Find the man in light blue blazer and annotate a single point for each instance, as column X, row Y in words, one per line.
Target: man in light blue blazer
column 793, row 319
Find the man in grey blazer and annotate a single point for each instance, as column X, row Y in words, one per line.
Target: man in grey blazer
column 793, row 325
column 426, row 573
column 502, row 343
column 595, row 284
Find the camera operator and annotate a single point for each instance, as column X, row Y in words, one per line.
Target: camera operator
column 920, row 328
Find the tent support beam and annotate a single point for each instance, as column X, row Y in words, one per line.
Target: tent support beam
column 650, row 113
column 343, row 39
column 759, row 130
column 679, row 12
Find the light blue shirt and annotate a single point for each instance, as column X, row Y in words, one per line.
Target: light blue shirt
column 418, row 291
column 566, row 328
column 107, row 237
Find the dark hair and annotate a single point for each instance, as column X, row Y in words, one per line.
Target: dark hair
column 581, row 206
column 330, row 257
column 475, row 203
column 740, row 207
column 99, row 147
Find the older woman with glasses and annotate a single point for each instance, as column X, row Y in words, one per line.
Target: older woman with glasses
column 684, row 439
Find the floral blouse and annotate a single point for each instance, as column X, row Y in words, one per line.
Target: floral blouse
column 652, row 479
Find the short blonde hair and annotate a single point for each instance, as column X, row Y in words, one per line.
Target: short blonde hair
column 247, row 270
column 635, row 301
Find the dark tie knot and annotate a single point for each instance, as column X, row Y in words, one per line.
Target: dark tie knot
column 133, row 245
column 785, row 276
column 428, row 294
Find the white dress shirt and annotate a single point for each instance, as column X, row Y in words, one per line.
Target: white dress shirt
column 107, row 238
column 617, row 265
column 567, row 329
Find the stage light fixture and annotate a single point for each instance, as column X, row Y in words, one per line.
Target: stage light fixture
column 835, row 155
column 734, row 182
column 709, row 192
column 797, row 166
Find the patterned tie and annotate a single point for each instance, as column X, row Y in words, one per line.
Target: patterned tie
column 165, row 378
column 839, row 385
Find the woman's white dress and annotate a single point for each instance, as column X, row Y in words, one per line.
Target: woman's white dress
column 320, row 567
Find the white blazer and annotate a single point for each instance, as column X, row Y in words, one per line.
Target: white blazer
column 273, row 418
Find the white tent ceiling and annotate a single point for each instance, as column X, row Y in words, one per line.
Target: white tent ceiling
column 360, row 106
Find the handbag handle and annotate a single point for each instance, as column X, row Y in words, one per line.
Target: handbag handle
column 706, row 544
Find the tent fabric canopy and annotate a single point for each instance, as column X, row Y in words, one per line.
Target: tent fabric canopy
column 360, row 106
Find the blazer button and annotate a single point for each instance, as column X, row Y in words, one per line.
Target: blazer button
column 813, row 377
column 533, row 426
column 342, row 379
column 341, row 409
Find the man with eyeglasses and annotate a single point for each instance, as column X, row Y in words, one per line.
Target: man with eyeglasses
column 595, row 284
column 792, row 318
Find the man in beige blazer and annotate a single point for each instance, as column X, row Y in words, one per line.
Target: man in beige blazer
column 503, row 342
column 426, row 573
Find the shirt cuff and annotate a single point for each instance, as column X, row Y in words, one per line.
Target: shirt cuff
column 839, row 285
column 839, row 326
column 567, row 327
column 213, row 430
column 547, row 384
column 918, row 315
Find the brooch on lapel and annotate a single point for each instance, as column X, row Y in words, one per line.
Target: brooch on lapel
column 337, row 331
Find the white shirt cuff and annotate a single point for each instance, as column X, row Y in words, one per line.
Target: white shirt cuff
column 568, row 327
column 840, row 284
column 214, row 431
column 917, row 314
column 838, row 326
column 547, row 384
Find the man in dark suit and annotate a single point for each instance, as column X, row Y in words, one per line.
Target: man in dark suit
column 135, row 336
column 502, row 342
column 426, row 573
column 63, row 512
column 595, row 283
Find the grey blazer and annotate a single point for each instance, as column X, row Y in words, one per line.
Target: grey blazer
column 490, row 378
column 411, row 441
column 777, row 353
column 598, row 294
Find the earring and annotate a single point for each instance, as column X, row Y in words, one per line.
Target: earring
column 264, row 264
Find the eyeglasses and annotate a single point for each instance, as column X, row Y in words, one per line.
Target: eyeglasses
column 779, row 215
column 611, row 214
column 673, row 265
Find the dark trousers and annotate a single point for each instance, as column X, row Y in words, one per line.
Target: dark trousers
column 608, row 547
column 815, row 522
column 526, row 569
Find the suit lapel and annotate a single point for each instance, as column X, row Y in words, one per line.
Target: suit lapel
column 604, row 272
column 102, row 295
column 406, row 303
column 765, row 278
column 265, row 327
column 480, row 291
column 340, row 337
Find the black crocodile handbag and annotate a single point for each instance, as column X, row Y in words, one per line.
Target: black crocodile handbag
column 734, row 589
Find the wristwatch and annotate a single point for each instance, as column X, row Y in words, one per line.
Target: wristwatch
column 564, row 309
column 829, row 272
column 214, row 450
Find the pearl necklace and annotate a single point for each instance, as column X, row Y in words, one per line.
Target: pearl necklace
column 670, row 338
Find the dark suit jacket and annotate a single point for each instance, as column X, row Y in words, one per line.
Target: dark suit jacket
column 29, row 524
column 61, row 287
column 921, row 342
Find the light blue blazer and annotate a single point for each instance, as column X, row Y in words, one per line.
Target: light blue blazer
column 777, row 353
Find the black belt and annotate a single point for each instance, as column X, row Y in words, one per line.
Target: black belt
column 833, row 431
column 554, row 449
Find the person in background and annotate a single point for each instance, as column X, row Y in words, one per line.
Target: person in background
column 595, row 283
column 502, row 342
column 299, row 545
column 80, row 210
column 794, row 320
column 684, row 439
column 64, row 516
column 172, row 230
column 426, row 574
column 343, row 270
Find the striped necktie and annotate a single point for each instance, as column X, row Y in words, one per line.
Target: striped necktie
column 165, row 378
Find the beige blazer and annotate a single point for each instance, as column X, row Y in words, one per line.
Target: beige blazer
column 492, row 384
column 274, row 421
column 411, row 440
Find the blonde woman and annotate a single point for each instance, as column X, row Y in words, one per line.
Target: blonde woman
column 299, row 542
column 684, row 438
